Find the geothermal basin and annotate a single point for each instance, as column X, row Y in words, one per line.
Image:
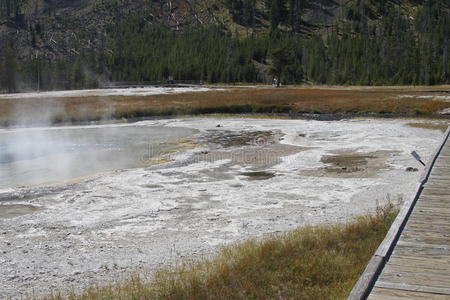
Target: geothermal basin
column 82, row 205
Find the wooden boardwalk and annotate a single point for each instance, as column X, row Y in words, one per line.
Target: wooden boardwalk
column 413, row 262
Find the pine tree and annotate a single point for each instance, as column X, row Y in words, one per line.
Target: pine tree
column 8, row 68
column 278, row 12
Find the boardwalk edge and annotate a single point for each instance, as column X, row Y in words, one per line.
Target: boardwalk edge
column 366, row 282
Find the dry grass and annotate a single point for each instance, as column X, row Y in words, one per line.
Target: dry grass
column 270, row 100
column 320, row 262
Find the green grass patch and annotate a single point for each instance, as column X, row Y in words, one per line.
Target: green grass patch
column 320, row 262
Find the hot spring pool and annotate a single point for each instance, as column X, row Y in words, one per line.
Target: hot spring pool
column 33, row 156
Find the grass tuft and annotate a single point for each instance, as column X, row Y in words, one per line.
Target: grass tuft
column 320, row 262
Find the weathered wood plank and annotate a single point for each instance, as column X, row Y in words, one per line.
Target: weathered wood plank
column 410, row 270
column 423, row 238
column 431, row 259
column 427, row 208
column 427, row 239
column 441, row 162
column 422, row 245
column 380, row 293
column 433, row 197
column 439, row 172
column 431, row 203
column 424, row 263
column 437, row 185
column 427, row 283
column 430, row 208
column 436, row 192
column 436, row 254
column 441, row 227
column 443, row 167
column 434, row 203
column 423, row 216
column 418, row 215
column 429, row 199
column 438, row 177
column 436, row 200
column 435, row 235
column 430, row 220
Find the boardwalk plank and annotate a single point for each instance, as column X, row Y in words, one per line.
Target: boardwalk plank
column 424, row 215
column 436, row 192
column 432, row 227
column 414, row 238
column 427, row 208
column 395, row 294
column 424, row 263
column 426, row 254
column 443, row 203
column 435, row 204
column 437, row 185
column 411, row 270
column 429, row 283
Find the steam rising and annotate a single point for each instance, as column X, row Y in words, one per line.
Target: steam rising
column 37, row 156
column 30, row 156
column 144, row 91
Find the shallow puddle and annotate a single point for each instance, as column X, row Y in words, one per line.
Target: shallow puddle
column 16, row 210
column 261, row 175
column 351, row 164
column 346, row 163
column 228, row 139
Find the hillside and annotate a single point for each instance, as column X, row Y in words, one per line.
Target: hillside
column 51, row 44
column 61, row 28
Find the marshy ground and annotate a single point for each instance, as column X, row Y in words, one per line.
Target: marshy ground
column 57, row 107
